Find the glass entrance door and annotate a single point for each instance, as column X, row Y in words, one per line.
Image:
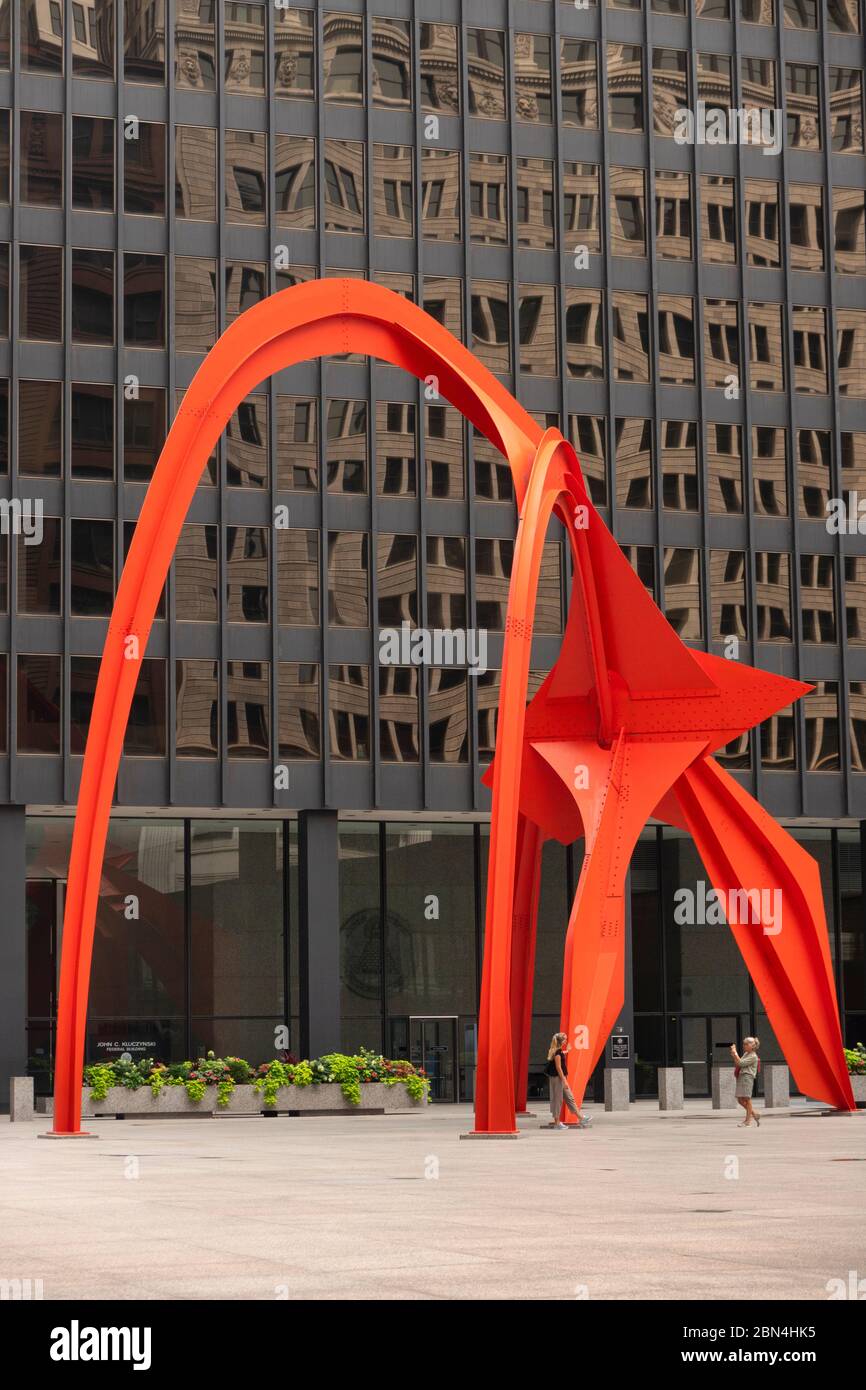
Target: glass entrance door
column 44, row 901
column 433, row 1046
column 705, row 1040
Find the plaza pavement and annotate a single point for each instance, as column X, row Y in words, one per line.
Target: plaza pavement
column 641, row 1206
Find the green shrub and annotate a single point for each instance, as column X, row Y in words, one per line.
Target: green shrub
column 349, row 1073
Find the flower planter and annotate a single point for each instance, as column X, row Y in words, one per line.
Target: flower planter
column 858, row 1086
column 321, row 1099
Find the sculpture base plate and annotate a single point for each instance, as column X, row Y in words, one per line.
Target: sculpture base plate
column 492, row 1134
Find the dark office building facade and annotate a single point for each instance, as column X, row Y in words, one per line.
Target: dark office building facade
column 300, row 832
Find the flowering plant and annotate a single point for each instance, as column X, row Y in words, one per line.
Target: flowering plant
column 348, row 1072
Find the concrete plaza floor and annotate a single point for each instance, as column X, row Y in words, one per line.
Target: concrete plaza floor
column 641, row 1206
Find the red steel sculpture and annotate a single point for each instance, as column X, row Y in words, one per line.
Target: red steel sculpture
column 622, row 729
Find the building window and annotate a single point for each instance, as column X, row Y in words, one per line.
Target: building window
column 818, row 599
column 821, row 708
column 440, row 194
column 247, row 567
column 248, row 703
column 92, row 296
column 762, row 223
column 41, row 162
column 197, row 718
column 393, row 190
column 679, row 465
column 92, row 435
column 445, row 578
column 40, row 572
column 846, row 110
column 244, row 38
column 144, row 171
column 144, row 44
column 196, row 574
column 721, row 342
column 769, row 471
column 298, row 578
column 348, row 578
column 813, row 472
column 682, row 576
column 673, row 226
column 143, row 300
column 349, row 713
column 440, row 71
column 346, row 446
column 532, row 84
column 344, row 186
column 41, row 36
column 40, row 697
column 195, row 304
column 631, row 344
column 804, row 96
column 300, row 721
column 488, row 199
column 633, row 462
column 485, row 64
column 725, row 468
column 392, row 63
column 578, row 77
column 581, row 203
column 718, row 219
column 92, row 164
column 627, row 212
column 246, row 177
column 676, row 335
column 773, row 597
column 91, row 565
column 491, row 324
column 849, row 238
column 40, row 428
column 144, row 431
column 343, row 58
column 397, row 580
column 537, row 322
column 625, row 87
column 444, row 446
column 396, row 449
column 588, row 435
column 810, row 350
column 40, row 293
column 729, row 613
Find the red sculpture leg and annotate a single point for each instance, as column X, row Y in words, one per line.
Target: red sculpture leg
column 616, row 789
column 494, row 1093
column 779, row 924
column 530, row 843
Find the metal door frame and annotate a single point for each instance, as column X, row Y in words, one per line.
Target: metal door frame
column 735, row 1015
column 454, row 1020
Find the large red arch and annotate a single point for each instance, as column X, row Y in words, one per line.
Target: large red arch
column 593, row 705
column 311, row 320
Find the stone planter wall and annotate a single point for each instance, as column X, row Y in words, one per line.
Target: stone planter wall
column 858, row 1086
column 376, row 1098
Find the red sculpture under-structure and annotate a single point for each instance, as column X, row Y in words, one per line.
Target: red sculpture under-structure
column 623, row 728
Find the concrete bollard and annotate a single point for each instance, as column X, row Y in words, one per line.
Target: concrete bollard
column 777, row 1086
column 616, row 1088
column 20, row 1098
column 670, row 1088
column 724, row 1086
